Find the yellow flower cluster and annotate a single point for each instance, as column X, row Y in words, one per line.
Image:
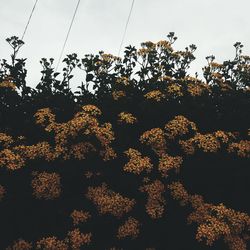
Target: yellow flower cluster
column 137, row 163
column 155, row 205
column 2, row 192
column 108, row 201
column 109, row 58
column 79, row 216
column 92, row 110
column 85, row 124
column 78, row 239
column 175, row 90
column 194, row 89
column 75, row 240
column 46, row 185
column 147, row 47
column 155, row 95
column 11, row 160
column 52, row 243
column 223, row 136
column 241, row 148
column 155, row 139
column 167, row 162
column 216, row 65
column 214, row 221
column 20, row 245
column 163, row 44
column 8, row 84
column 178, row 192
column 179, row 126
column 129, row 229
column 39, row 150
column 221, row 222
column 212, row 231
column 81, row 149
column 205, row 142
column 127, row 118
column 235, row 242
column 45, row 117
column 194, row 86
column 117, row 94
column 5, row 140
column 123, row 81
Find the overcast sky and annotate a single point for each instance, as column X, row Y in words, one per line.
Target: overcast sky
column 212, row 25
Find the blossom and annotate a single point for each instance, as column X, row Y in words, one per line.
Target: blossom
column 108, row 201
column 46, row 185
column 137, row 163
column 127, row 118
column 129, row 229
column 155, row 95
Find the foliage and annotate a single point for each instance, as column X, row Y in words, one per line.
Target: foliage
column 120, row 162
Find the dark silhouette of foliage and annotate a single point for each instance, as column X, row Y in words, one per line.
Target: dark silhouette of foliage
column 125, row 161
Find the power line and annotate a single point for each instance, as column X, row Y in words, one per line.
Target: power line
column 72, row 21
column 26, row 27
column 126, row 27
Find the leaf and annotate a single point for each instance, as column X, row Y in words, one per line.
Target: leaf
column 89, row 77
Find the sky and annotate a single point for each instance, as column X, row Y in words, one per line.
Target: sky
column 212, row 25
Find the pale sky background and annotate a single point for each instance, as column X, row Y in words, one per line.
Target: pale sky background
column 212, row 25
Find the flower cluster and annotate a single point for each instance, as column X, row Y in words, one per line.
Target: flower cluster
column 11, row 160
column 66, row 137
column 164, row 45
column 5, row 140
column 137, row 163
column 235, row 242
column 20, row 245
column 126, row 118
column 167, row 162
column 92, row 110
column 214, row 221
column 212, row 230
column 2, row 192
column 52, row 243
column 117, row 94
column 108, row 201
column 39, row 150
column 204, row 142
column 155, row 139
column 129, row 229
column 179, row 126
column 84, row 124
column 78, row 239
column 45, row 118
column 81, row 149
column 108, row 58
column 174, row 90
column 194, row 89
column 224, row 137
column 155, row 201
column 8, row 84
column 155, row 95
column 46, row 185
column 178, row 192
column 79, row 216
column 241, row 148
column 122, row 81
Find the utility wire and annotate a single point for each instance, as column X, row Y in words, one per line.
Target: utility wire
column 67, row 36
column 126, row 27
column 26, row 27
